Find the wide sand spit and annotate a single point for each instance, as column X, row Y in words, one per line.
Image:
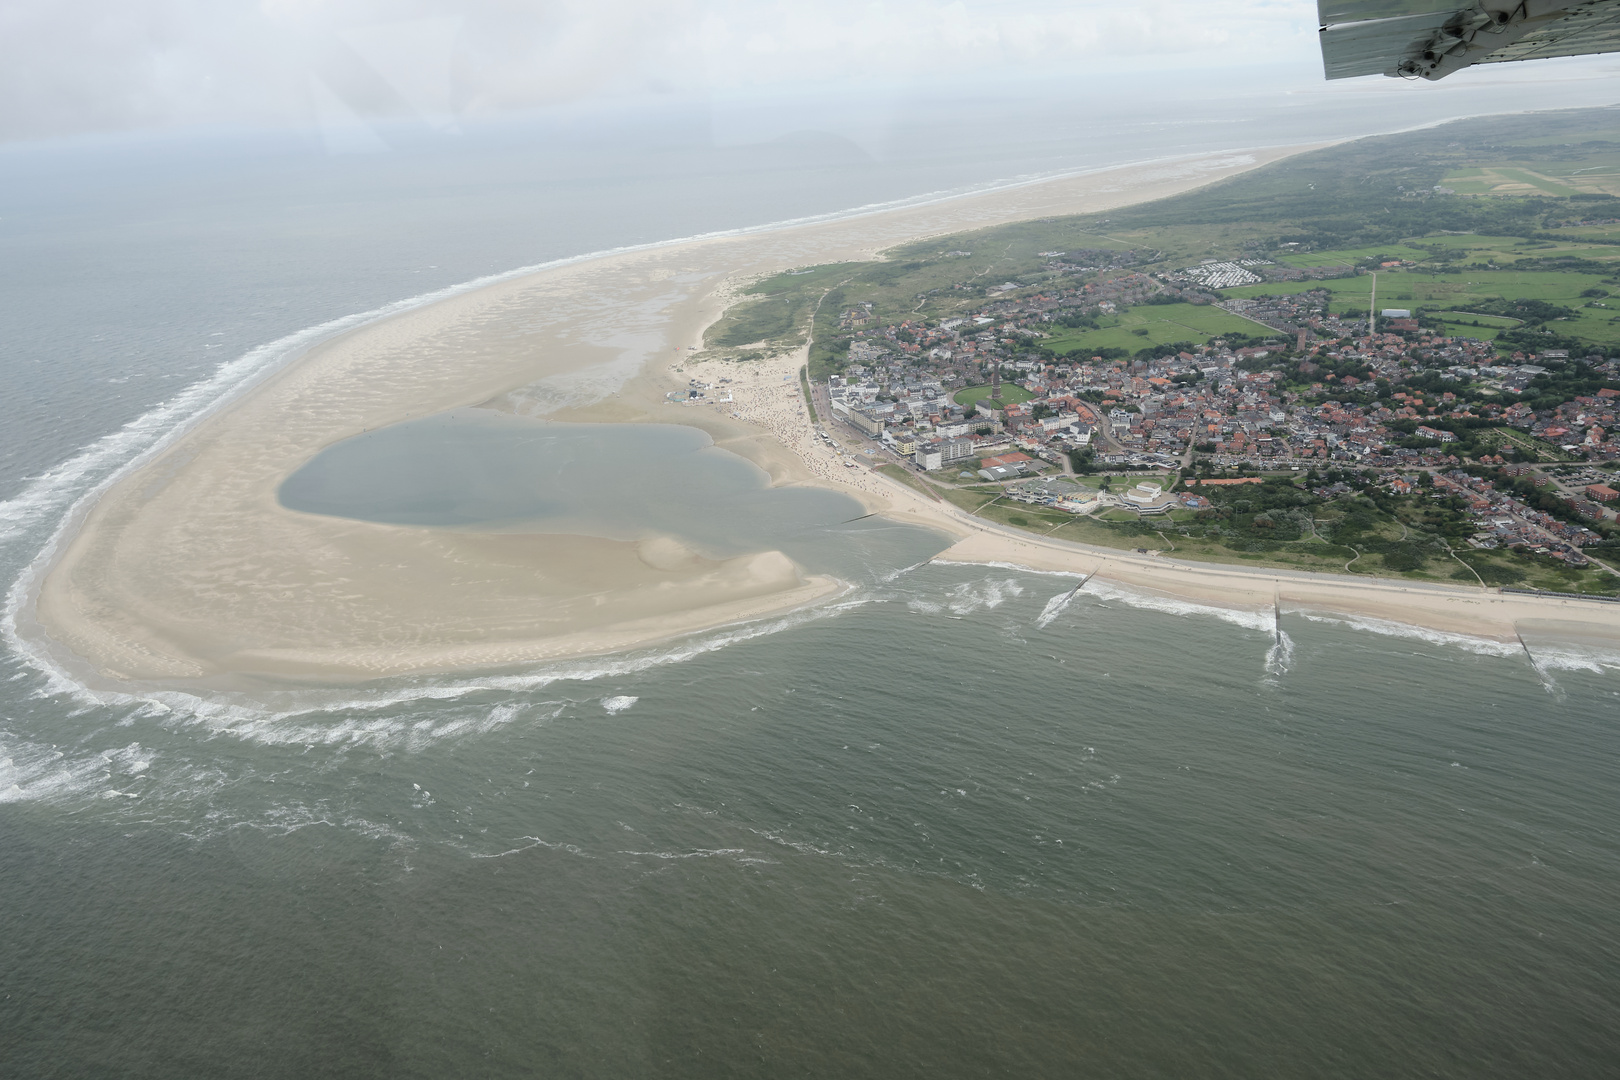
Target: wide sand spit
column 188, row 569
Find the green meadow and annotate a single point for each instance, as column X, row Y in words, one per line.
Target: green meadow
column 1442, row 294
column 1153, row 324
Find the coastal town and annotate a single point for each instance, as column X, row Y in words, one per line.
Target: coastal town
column 1338, row 405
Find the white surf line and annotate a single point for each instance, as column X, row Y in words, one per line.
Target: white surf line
column 359, row 723
column 1282, row 646
column 1056, row 605
column 1522, row 645
column 1548, row 683
column 1002, row 565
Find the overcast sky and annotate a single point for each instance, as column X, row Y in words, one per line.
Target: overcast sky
column 72, row 66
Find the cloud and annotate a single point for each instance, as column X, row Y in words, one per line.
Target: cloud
column 86, row 65
column 931, row 36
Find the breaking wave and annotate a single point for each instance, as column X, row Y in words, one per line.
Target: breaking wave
column 1170, row 605
column 1481, row 645
column 966, row 598
column 1009, row 566
column 1573, row 656
column 381, row 720
column 1280, row 657
column 31, row 772
column 1054, row 607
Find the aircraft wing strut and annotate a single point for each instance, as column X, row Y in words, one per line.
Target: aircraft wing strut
column 1433, row 38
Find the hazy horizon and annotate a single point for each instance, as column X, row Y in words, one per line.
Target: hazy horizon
column 360, row 76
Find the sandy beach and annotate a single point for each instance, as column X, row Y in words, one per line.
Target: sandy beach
column 189, row 568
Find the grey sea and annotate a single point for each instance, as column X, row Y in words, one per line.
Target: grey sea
column 960, row 821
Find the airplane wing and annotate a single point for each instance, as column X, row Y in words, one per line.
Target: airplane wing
column 1433, row 38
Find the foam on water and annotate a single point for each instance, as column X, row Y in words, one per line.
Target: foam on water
column 1054, row 607
column 1482, row 645
column 533, row 842
column 1549, row 657
column 967, row 597
column 1280, row 657
column 1548, row 683
column 381, row 719
column 288, row 816
column 1169, row 605
column 895, row 575
column 30, row 772
column 1009, row 566
column 1573, row 656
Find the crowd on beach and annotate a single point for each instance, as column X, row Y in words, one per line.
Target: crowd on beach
column 768, row 395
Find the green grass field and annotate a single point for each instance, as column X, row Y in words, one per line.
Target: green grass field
column 1469, row 329
column 1350, row 193
column 1352, row 256
column 1489, row 322
column 1504, row 250
column 1439, row 294
column 1153, row 324
column 809, row 398
column 1596, row 232
column 1011, row 394
column 1452, row 292
column 1501, row 250
column 970, row 499
column 1539, row 448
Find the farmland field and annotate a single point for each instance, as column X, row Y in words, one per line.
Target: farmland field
column 1508, row 180
column 1352, row 256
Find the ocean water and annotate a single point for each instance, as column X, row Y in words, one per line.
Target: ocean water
column 960, row 821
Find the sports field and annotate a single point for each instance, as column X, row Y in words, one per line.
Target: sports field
column 1153, row 324
column 1011, row 394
